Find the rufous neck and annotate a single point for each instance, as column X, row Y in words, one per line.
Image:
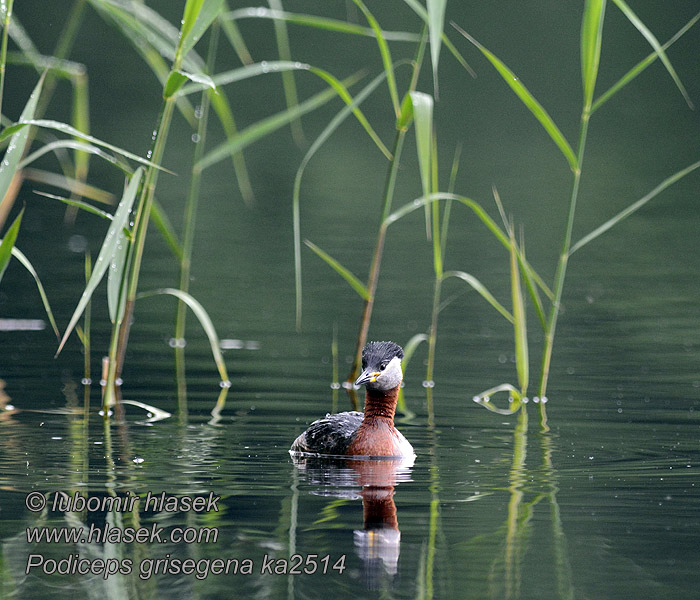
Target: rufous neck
column 381, row 403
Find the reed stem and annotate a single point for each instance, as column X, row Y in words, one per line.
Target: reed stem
column 190, row 217
column 377, row 256
column 120, row 338
column 564, row 257
column 3, row 49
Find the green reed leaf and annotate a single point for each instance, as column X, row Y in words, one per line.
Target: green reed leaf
column 641, row 66
column 72, row 145
column 176, row 79
column 342, row 91
column 317, row 22
column 24, row 261
column 222, row 107
column 528, row 100
column 8, row 242
column 153, row 38
column 234, row 36
column 483, row 216
column 654, row 43
column 70, row 184
column 81, row 121
column 17, row 145
column 163, row 224
column 519, row 319
column 420, row 10
column 436, row 24
column 109, row 246
column 148, row 31
column 384, row 52
column 204, row 320
column 591, row 39
column 116, row 282
column 264, row 127
column 481, row 289
column 346, row 274
column 468, row 202
column 484, row 399
column 332, row 126
column 197, row 17
column 69, row 130
column 634, row 207
column 77, row 204
column 246, row 72
column 422, row 109
column 409, row 350
column 288, row 81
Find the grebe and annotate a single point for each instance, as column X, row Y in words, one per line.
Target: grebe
column 371, row 433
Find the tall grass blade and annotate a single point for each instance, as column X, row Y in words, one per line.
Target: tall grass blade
column 654, row 43
column 479, row 287
column 528, row 100
column 24, row 261
column 346, row 274
column 265, row 127
column 423, row 119
column 204, row 320
column 109, row 245
column 288, row 83
column 69, row 130
column 519, row 319
column 641, row 66
column 332, row 126
column 8, row 242
column 385, row 54
column 436, row 24
column 634, row 207
column 591, row 39
column 16, row 147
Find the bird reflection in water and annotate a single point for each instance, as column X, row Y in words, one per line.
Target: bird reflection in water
column 378, row 543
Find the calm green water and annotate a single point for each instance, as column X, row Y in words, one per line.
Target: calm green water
column 603, row 504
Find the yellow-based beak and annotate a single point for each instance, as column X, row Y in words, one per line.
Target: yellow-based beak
column 367, row 376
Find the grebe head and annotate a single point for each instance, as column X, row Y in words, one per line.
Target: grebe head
column 381, row 366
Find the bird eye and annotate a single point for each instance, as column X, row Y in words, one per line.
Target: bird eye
column 383, row 365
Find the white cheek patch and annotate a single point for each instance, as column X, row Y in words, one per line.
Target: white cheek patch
column 392, row 375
